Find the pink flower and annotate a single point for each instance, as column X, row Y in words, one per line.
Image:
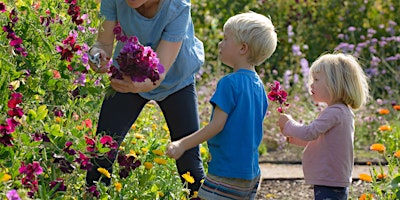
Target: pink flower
column 279, row 95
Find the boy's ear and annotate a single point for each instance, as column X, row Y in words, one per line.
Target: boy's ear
column 244, row 48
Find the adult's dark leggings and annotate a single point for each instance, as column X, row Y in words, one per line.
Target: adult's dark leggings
column 119, row 112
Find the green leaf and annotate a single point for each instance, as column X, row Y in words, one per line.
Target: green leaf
column 104, row 150
column 42, row 112
column 55, row 130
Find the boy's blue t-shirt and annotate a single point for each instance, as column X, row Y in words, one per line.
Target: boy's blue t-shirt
column 172, row 23
column 234, row 151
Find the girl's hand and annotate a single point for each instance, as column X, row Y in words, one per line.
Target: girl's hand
column 283, row 118
column 175, row 150
column 98, row 61
column 127, row 85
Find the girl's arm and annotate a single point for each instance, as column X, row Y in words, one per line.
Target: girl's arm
column 177, row 148
column 297, row 141
column 167, row 53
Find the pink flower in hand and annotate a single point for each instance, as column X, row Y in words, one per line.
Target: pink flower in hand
column 279, row 95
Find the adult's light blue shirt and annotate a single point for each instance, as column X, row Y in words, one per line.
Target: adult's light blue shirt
column 172, row 23
column 234, row 151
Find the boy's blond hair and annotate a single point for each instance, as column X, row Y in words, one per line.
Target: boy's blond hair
column 257, row 31
column 346, row 79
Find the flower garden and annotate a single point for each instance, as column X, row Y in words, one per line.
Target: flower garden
column 50, row 99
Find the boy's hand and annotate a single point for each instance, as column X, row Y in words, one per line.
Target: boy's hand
column 175, row 150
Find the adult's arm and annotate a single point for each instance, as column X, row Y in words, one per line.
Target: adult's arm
column 103, row 45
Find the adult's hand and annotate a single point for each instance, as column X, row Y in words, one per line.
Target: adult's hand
column 127, row 85
column 99, row 61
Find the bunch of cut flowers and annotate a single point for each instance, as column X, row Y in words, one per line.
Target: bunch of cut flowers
column 135, row 60
column 279, row 95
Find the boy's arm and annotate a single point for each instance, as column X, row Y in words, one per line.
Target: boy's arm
column 177, row 148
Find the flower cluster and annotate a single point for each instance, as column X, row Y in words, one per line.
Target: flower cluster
column 30, row 173
column 279, row 95
column 127, row 164
column 14, row 113
column 74, row 11
column 135, row 60
column 15, row 41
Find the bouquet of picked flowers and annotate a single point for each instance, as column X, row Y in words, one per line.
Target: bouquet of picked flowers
column 135, row 60
column 279, row 95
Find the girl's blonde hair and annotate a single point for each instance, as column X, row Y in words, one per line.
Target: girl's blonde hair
column 346, row 79
column 257, row 31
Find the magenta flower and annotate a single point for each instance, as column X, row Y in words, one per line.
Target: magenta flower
column 2, row 7
column 279, row 95
column 135, row 60
column 107, row 141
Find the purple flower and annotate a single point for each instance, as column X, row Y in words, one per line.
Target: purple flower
column 135, row 60
column 13, row 195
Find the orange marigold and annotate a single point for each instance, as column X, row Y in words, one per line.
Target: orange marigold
column 397, row 154
column 378, row 147
column 366, row 197
column 384, row 111
column 381, row 176
column 365, row 177
column 396, row 107
column 385, row 128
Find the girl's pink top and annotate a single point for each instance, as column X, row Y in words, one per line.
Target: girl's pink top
column 328, row 155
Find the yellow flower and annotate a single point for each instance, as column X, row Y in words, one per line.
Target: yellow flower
column 204, row 123
column 203, row 150
column 365, row 177
column 104, row 172
column 160, row 161
column 148, row 165
column 6, row 177
column 397, row 154
column 118, row 186
column 133, row 126
column 188, row 178
column 150, row 105
column 139, row 136
column 154, row 127
column 161, row 194
column 378, row 147
column 396, row 107
column 385, row 128
column 79, row 127
column 195, row 193
column 165, row 127
column 384, row 111
column 158, row 152
column 132, row 153
column 144, row 149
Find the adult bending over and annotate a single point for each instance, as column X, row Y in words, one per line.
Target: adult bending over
column 167, row 27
